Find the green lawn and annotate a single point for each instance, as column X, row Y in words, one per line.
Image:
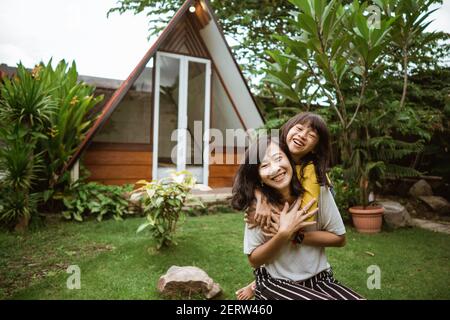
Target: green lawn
column 117, row 263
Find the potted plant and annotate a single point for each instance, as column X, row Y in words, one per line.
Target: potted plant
column 367, row 217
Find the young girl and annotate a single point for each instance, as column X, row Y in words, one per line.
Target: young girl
column 305, row 138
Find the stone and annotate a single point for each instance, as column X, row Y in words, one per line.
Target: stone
column 395, row 215
column 420, row 188
column 188, row 280
column 438, row 204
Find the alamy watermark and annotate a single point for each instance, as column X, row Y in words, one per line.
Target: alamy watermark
column 222, row 144
column 74, row 280
column 374, row 280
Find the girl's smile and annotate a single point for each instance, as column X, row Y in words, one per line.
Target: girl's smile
column 301, row 139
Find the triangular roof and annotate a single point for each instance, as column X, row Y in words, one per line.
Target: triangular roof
column 222, row 57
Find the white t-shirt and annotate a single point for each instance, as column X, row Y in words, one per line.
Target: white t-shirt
column 300, row 262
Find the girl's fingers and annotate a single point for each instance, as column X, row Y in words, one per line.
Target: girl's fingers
column 267, row 220
column 269, row 234
column 274, row 209
column 276, row 218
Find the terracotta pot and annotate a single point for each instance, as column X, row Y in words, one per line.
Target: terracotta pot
column 367, row 220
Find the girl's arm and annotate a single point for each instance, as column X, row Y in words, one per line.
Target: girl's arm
column 290, row 223
column 263, row 210
column 311, row 238
column 312, row 190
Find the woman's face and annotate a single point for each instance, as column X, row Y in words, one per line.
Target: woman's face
column 301, row 140
column 275, row 169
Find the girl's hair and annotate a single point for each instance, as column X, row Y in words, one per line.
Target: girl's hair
column 247, row 179
column 321, row 155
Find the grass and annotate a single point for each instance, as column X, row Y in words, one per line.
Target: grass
column 117, row 263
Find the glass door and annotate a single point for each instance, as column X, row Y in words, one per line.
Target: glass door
column 181, row 115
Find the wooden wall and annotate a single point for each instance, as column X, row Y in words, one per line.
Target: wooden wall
column 115, row 167
column 118, row 166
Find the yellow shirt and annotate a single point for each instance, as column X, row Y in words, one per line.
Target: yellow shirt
column 310, row 185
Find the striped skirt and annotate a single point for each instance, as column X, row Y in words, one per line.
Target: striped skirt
column 322, row 286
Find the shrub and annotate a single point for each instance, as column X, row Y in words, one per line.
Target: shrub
column 345, row 193
column 162, row 202
column 19, row 170
column 44, row 114
column 89, row 199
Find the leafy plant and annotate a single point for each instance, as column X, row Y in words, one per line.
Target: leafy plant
column 345, row 192
column 348, row 63
column 93, row 199
column 26, row 100
column 19, row 171
column 44, row 115
column 162, row 202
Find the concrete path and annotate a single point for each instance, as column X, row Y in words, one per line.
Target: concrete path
column 218, row 195
column 431, row 225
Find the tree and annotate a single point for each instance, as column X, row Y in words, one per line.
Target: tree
column 251, row 23
column 345, row 59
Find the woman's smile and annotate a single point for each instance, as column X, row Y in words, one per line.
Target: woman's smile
column 275, row 169
column 279, row 176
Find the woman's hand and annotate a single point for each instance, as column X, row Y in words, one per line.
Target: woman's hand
column 294, row 220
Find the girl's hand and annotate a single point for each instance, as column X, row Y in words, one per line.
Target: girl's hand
column 249, row 220
column 273, row 228
column 294, row 220
column 263, row 210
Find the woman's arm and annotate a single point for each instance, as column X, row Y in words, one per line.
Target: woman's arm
column 323, row 239
column 268, row 250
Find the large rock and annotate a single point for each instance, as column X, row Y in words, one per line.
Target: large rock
column 421, row 188
column 438, row 204
column 188, row 280
column 395, row 215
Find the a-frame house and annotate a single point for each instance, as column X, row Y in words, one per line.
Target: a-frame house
column 188, row 80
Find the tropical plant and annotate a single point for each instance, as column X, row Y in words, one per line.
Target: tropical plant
column 25, row 100
column 44, row 115
column 343, row 58
column 20, row 168
column 162, row 202
column 345, row 192
column 83, row 200
column 67, row 126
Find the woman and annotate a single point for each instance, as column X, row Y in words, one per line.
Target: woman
column 283, row 269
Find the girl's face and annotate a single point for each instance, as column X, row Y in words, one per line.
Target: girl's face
column 301, row 140
column 275, row 169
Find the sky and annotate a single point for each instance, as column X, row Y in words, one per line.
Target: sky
column 36, row 30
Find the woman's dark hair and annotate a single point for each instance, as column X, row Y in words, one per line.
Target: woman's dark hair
column 321, row 155
column 247, row 179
